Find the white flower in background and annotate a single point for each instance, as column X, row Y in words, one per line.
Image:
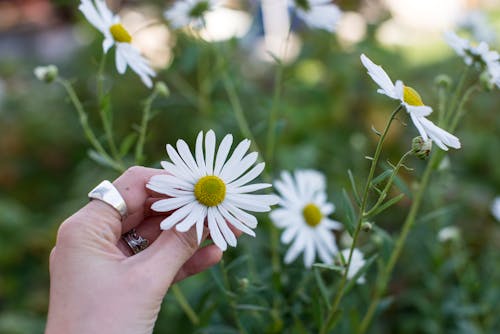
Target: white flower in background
column 304, row 216
column 477, row 23
column 189, row 13
column 99, row 15
column 478, row 55
column 46, row 73
column 413, row 104
column 210, row 186
column 320, row 14
column 495, row 208
column 357, row 262
column 449, row 233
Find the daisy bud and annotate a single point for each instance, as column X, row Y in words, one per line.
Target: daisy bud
column 161, row 89
column 46, row 73
column 449, row 234
column 486, row 82
column 443, row 80
column 243, row 283
column 366, row 226
column 421, row 148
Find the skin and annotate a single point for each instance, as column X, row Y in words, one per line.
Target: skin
column 97, row 285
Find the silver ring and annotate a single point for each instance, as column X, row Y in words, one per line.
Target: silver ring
column 106, row 192
column 135, row 241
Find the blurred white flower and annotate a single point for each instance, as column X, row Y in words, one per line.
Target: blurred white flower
column 449, row 233
column 495, row 208
column 478, row 55
column 304, row 216
column 357, row 262
column 189, row 13
column 320, row 14
column 413, row 104
column 101, row 17
column 46, row 73
column 224, row 23
column 477, row 23
column 210, row 186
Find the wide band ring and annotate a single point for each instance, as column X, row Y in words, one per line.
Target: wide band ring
column 107, row 193
column 135, row 241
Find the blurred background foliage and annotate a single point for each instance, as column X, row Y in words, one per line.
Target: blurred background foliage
column 327, row 108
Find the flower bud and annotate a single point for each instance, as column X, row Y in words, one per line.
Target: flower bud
column 486, row 81
column 161, row 89
column 421, row 148
column 449, row 233
column 443, row 80
column 46, row 73
column 243, row 283
column 366, row 226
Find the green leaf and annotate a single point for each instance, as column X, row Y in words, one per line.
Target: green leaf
column 386, row 205
column 446, row 211
column 354, row 188
column 328, row 267
column 349, row 211
column 99, row 159
column 127, row 143
column 322, row 288
column 381, row 177
column 250, row 307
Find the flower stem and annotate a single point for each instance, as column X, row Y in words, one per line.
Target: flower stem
column 238, row 111
column 184, row 304
column 146, row 116
column 91, row 137
column 340, row 292
column 231, row 297
column 105, row 111
column 455, row 99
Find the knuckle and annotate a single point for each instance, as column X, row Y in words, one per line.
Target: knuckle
column 187, row 240
column 134, row 171
column 67, row 231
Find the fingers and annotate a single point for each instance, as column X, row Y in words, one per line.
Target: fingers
column 202, row 259
column 148, row 229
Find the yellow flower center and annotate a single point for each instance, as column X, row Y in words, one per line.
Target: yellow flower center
column 210, row 190
column 312, row 214
column 411, row 97
column 120, row 34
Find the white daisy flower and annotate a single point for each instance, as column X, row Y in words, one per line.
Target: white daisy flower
column 99, row 15
column 357, row 262
column 320, row 14
column 495, row 208
column 189, row 13
column 304, row 216
column 413, row 104
column 210, row 186
column 478, row 55
column 448, row 233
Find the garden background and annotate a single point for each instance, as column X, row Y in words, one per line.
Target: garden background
column 326, row 111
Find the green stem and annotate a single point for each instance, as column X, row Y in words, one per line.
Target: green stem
column 105, row 111
column 146, row 115
column 460, row 110
column 91, row 137
column 410, row 220
column 184, row 304
column 455, row 99
column 384, row 192
column 238, row 111
column 273, row 115
column 340, row 292
column 231, row 296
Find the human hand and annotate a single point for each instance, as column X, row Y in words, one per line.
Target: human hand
column 97, row 286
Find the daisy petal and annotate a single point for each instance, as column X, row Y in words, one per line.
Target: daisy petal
column 215, row 233
column 222, row 153
column 226, row 231
column 177, row 216
column 170, row 204
column 209, row 151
